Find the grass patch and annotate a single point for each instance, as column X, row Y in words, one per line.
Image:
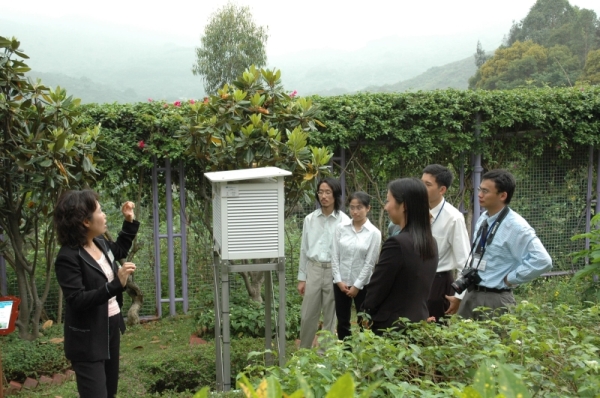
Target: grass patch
column 157, row 360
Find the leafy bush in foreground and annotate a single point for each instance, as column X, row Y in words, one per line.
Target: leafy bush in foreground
column 22, row 358
column 552, row 348
column 187, row 368
column 247, row 317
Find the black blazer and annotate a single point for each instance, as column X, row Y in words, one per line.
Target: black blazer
column 87, row 291
column 400, row 283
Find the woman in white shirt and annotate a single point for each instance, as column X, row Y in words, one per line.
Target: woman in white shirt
column 355, row 251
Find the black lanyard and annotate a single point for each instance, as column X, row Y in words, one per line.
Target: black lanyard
column 485, row 241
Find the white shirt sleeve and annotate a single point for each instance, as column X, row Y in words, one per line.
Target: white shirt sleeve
column 370, row 260
column 303, row 249
column 335, row 254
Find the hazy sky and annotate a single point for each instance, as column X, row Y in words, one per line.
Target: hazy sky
column 303, row 24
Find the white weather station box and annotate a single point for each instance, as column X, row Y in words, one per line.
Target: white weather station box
column 248, row 212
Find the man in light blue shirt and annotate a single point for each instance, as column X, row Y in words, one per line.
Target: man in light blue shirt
column 507, row 252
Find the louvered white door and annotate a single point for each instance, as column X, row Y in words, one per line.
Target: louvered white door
column 252, row 222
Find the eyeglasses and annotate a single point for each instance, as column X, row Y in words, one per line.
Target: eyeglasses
column 484, row 191
column 323, row 193
column 356, row 208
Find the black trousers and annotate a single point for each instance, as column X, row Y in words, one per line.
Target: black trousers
column 343, row 310
column 100, row 379
column 441, row 287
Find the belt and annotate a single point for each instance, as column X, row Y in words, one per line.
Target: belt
column 480, row 288
column 441, row 274
column 319, row 264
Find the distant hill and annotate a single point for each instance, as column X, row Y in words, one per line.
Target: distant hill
column 106, row 63
column 382, row 62
column 99, row 62
column 452, row 75
column 86, row 89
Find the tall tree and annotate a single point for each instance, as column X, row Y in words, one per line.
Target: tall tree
column 544, row 23
column 43, row 150
column 256, row 123
column 480, row 55
column 231, row 43
column 549, row 47
column 528, row 64
column 556, row 22
column 591, row 71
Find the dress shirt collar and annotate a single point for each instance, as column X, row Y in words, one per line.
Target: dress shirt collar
column 367, row 225
column 492, row 219
column 334, row 214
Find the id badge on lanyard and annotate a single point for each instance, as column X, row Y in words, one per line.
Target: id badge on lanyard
column 478, row 262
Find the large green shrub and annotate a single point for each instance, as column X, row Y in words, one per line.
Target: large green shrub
column 552, row 348
column 590, row 272
column 247, row 317
column 44, row 150
column 183, row 368
column 22, row 358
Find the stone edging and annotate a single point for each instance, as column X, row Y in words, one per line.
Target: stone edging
column 33, row 384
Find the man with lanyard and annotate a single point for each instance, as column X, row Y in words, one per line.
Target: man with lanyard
column 450, row 232
column 314, row 274
column 508, row 251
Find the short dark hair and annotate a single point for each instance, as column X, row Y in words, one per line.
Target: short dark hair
column 362, row 197
column 413, row 193
column 443, row 176
column 72, row 209
column 336, row 188
column 504, row 181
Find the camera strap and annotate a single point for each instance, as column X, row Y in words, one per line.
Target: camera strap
column 489, row 238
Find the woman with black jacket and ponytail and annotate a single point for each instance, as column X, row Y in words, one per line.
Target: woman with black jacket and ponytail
column 403, row 275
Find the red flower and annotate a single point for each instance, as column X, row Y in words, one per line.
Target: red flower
column 177, row 103
column 149, row 99
column 141, row 144
column 192, row 102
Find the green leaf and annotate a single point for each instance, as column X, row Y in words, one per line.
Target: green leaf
column 483, row 382
column 20, row 54
column 87, row 165
column 470, row 392
column 202, row 393
column 60, row 142
column 46, row 163
column 249, row 156
column 273, row 388
column 369, row 391
column 342, row 388
column 510, row 385
column 305, row 387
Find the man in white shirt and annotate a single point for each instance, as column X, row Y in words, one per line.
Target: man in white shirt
column 450, row 232
column 314, row 274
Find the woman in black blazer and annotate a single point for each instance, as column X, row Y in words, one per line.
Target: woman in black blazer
column 92, row 283
column 404, row 273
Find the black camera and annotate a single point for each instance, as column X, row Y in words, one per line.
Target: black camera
column 468, row 278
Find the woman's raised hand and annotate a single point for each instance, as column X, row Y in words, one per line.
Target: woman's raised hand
column 127, row 210
column 124, row 272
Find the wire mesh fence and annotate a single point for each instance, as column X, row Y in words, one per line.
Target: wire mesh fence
column 551, row 194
